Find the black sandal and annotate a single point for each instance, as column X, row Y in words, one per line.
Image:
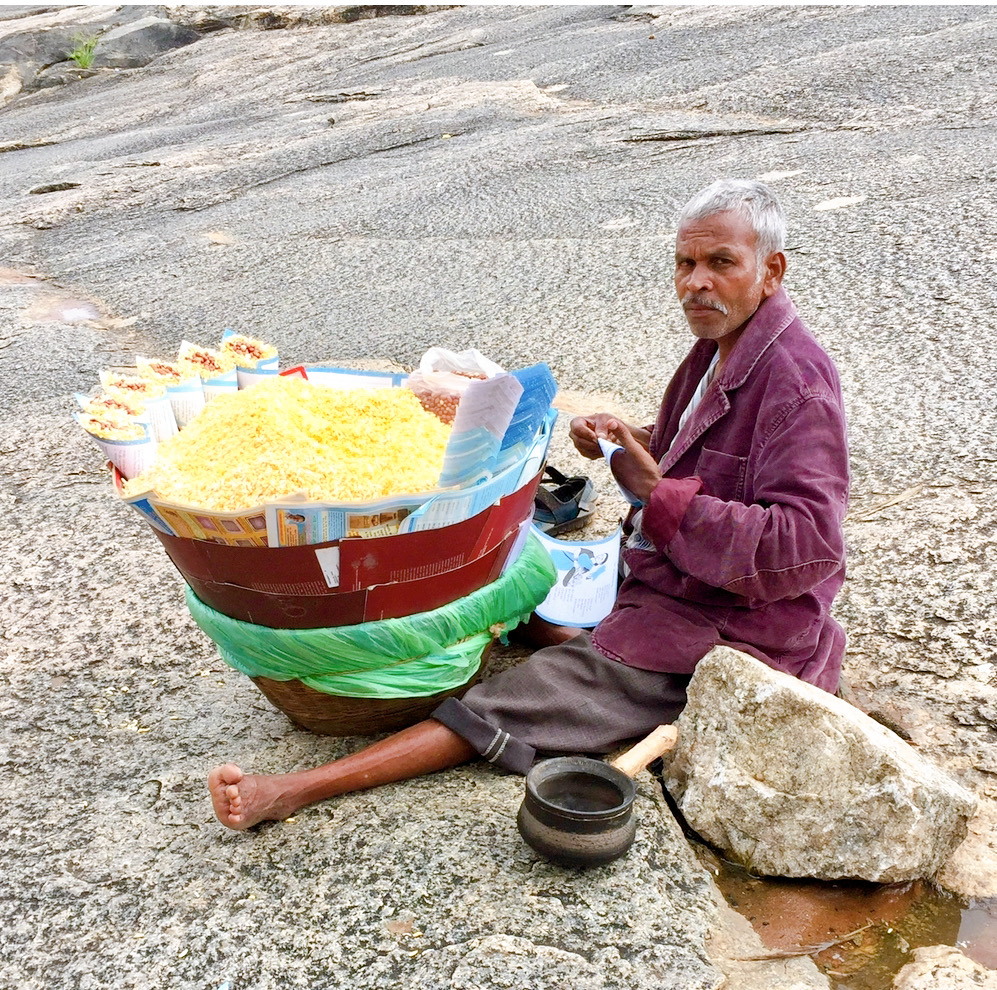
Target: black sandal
column 562, row 503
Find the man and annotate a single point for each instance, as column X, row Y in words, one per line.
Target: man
column 741, row 488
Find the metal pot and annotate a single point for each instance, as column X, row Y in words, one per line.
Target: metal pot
column 578, row 811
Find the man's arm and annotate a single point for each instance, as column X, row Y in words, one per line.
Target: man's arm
column 785, row 543
column 633, row 466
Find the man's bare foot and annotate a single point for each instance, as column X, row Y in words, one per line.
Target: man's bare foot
column 241, row 801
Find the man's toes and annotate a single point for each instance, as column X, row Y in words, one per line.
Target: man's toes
column 230, row 773
column 221, row 777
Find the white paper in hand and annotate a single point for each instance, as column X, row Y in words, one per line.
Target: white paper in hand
column 609, row 448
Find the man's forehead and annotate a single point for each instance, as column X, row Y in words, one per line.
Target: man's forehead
column 724, row 229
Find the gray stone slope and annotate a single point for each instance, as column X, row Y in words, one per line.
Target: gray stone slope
column 505, row 178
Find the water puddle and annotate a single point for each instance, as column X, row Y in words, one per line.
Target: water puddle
column 859, row 934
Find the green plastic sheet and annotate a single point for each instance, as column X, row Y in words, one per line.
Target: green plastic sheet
column 412, row 657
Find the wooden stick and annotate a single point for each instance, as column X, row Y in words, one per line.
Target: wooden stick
column 805, row 950
column 659, row 742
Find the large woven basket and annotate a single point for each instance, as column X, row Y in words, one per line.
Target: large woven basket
column 336, row 715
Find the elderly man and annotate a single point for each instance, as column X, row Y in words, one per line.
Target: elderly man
column 740, row 489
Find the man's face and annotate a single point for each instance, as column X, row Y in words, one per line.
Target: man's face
column 718, row 277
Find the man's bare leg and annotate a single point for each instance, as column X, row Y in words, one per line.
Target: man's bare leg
column 241, row 800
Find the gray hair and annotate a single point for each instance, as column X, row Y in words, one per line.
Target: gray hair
column 752, row 201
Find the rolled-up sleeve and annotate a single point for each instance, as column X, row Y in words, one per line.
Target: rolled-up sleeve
column 669, row 502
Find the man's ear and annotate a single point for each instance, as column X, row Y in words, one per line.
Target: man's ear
column 775, row 268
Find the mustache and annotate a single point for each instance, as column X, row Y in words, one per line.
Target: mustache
column 693, row 300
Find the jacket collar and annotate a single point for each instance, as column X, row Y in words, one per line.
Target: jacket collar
column 772, row 317
column 768, row 321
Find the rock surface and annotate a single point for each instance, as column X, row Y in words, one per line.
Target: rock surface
column 35, row 42
column 138, row 42
column 973, row 866
column 791, row 781
column 502, row 177
column 941, row 967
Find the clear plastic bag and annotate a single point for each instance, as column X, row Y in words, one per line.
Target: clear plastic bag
column 443, row 375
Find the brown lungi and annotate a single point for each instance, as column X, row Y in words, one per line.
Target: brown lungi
column 563, row 699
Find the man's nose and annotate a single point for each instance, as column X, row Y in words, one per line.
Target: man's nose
column 700, row 279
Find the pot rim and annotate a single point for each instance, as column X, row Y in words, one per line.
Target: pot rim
column 541, row 772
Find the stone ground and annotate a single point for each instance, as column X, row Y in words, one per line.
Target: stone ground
column 505, row 178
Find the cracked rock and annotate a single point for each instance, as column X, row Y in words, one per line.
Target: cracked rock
column 791, row 781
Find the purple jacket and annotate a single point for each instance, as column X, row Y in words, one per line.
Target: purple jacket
column 747, row 520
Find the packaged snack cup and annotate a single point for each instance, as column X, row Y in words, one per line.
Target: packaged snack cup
column 187, row 399
column 182, row 383
column 131, row 406
column 255, row 360
column 128, row 445
column 216, row 369
column 161, row 420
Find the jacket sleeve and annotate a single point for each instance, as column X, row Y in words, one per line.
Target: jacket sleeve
column 790, row 538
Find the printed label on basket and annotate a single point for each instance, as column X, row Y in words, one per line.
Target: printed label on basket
column 297, row 522
column 328, row 560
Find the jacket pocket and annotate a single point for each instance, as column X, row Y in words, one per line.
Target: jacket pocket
column 722, row 474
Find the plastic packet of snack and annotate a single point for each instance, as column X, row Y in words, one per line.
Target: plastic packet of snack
column 470, row 362
column 255, row 360
column 127, row 444
column 216, row 369
column 443, row 376
column 162, row 422
column 182, row 383
column 439, row 392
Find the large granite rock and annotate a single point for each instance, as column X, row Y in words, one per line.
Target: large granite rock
column 130, row 46
column 791, row 781
column 972, row 870
column 941, row 967
column 413, row 221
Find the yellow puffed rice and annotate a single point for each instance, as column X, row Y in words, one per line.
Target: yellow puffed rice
column 286, row 436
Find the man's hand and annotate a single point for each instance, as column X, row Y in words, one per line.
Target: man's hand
column 633, row 467
column 585, row 432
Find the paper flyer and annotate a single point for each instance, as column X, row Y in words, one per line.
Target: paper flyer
column 296, row 522
column 587, row 577
column 224, row 384
column 346, row 378
column 186, row 400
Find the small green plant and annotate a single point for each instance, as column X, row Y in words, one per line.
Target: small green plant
column 83, row 53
